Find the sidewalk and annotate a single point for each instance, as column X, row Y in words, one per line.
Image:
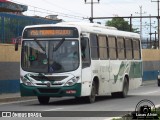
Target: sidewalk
column 9, row 97
column 16, row 96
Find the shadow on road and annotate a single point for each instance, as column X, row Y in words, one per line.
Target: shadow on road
column 78, row 101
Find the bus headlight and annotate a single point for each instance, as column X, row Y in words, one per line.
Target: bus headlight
column 72, row 81
column 26, row 81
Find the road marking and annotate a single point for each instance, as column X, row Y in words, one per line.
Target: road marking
column 18, row 102
column 53, row 109
column 148, row 92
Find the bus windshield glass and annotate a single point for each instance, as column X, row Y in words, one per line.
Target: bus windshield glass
column 43, row 56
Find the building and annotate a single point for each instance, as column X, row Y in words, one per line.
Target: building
column 12, row 20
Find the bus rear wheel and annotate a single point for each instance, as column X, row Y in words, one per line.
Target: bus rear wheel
column 158, row 82
column 92, row 97
column 124, row 92
column 43, row 100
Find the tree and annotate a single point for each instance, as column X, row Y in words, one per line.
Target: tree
column 120, row 24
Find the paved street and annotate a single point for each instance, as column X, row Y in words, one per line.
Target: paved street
column 150, row 92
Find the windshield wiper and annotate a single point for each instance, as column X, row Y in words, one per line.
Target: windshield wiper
column 42, row 48
column 58, row 45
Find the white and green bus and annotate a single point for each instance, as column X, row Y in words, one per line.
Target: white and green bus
column 79, row 60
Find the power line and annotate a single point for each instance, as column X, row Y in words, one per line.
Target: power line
column 51, row 13
column 50, row 3
column 61, row 14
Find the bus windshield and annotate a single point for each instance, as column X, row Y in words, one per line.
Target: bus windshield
column 43, row 56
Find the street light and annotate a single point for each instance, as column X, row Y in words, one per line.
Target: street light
column 91, row 18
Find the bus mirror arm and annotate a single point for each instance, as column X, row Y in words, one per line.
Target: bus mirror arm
column 16, row 46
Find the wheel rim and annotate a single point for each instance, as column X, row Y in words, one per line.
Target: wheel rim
column 92, row 96
column 125, row 88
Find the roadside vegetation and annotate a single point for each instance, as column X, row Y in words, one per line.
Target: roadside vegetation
column 129, row 116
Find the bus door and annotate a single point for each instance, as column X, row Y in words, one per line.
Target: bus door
column 86, row 66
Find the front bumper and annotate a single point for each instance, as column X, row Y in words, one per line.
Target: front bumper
column 74, row 90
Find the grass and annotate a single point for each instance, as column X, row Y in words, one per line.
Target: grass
column 129, row 116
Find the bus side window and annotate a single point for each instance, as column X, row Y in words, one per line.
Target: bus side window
column 136, row 49
column 128, row 46
column 112, row 48
column 94, row 47
column 85, row 52
column 103, row 52
column 120, row 48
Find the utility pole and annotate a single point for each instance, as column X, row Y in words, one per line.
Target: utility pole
column 150, row 26
column 155, row 40
column 130, row 23
column 91, row 18
column 140, row 20
column 157, row 21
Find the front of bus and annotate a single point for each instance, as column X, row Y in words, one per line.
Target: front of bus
column 50, row 62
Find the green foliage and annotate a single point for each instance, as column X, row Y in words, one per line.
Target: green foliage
column 120, row 24
column 129, row 116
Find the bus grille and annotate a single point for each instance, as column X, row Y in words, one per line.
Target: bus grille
column 43, row 90
column 46, row 84
column 49, row 78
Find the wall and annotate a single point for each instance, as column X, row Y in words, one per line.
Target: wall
column 9, row 68
column 151, row 63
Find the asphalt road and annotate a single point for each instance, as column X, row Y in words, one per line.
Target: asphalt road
column 103, row 107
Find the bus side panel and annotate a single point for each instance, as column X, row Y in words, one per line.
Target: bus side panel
column 135, row 74
column 104, row 82
column 118, row 70
column 86, row 81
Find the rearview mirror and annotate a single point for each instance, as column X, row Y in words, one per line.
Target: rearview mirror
column 16, row 46
column 18, row 41
column 83, row 43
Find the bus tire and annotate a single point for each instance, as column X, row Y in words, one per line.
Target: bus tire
column 43, row 100
column 158, row 82
column 91, row 98
column 124, row 92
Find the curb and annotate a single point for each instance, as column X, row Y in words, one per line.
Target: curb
column 111, row 118
column 149, row 82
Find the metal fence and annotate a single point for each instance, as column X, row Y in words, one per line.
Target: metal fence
column 146, row 44
column 11, row 25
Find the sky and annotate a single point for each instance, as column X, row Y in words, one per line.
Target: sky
column 77, row 10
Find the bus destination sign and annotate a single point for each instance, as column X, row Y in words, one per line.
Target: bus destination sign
column 51, row 32
column 35, row 33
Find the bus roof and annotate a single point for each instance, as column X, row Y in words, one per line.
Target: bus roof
column 92, row 28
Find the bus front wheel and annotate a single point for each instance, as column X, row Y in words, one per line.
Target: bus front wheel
column 43, row 100
column 92, row 97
